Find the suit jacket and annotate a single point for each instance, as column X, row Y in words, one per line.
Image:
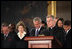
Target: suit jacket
column 59, row 33
column 46, row 32
column 8, row 42
column 32, row 32
column 21, row 43
column 56, row 32
column 68, row 40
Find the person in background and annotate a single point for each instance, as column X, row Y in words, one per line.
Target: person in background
column 37, row 27
column 7, row 39
column 12, row 29
column 67, row 27
column 21, row 34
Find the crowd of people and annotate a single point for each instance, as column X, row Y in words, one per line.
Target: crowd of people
column 12, row 36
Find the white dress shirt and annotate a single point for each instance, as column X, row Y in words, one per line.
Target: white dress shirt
column 38, row 29
column 67, row 31
column 23, row 34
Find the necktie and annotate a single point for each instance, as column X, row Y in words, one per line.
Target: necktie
column 51, row 31
column 5, row 37
column 36, row 33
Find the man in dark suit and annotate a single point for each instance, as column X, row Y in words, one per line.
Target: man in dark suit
column 38, row 28
column 7, row 39
column 67, row 27
column 52, row 30
column 50, row 25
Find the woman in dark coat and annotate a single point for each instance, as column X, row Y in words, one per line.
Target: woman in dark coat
column 59, row 31
column 21, row 34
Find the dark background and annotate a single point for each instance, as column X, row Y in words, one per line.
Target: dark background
column 14, row 11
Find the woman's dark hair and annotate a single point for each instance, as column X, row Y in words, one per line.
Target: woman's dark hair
column 60, row 19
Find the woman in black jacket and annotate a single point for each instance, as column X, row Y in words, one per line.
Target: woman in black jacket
column 59, row 31
column 21, row 34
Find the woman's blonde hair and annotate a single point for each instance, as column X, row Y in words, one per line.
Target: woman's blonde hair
column 21, row 23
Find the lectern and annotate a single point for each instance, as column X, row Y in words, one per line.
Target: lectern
column 43, row 42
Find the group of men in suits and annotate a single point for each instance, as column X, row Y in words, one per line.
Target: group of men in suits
column 52, row 30
column 63, row 35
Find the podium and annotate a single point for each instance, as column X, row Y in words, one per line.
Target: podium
column 43, row 42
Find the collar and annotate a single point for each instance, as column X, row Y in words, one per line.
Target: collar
column 23, row 34
column 39, row 28
column 51, row 27
column 67, row 31
column 6, row 34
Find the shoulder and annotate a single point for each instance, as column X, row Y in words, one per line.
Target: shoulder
column 33, row 29
column 43, row 28
column 2, row 34
column 58, row 28
column 46, row 32
column 16, row 36
column 70, row 30
column 69, row 33
column 27, row 35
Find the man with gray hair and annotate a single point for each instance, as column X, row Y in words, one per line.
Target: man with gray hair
column 50, row 26
column 50, row 21
column 52, row 30
column 37, row 27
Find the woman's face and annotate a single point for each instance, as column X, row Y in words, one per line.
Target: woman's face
column 60, row 24
column 20, row 29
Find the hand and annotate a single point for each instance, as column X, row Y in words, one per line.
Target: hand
column 41, row 35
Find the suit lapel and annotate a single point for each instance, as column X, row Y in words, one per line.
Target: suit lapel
column 41, row 29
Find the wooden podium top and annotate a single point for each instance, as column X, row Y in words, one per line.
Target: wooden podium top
column 55, row 42
column 39, row 38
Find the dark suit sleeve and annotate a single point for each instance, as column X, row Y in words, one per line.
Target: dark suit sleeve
column 68, row 40
column 46, row 32
column 59, row 34
column 13, row 43
column 32, row 31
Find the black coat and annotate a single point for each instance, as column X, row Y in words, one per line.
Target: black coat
column 32, row 32
column 21, row 43
column 59, row 33
column 9, row 42
column 46, row 32
column 68, row 40
column 56, row 32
